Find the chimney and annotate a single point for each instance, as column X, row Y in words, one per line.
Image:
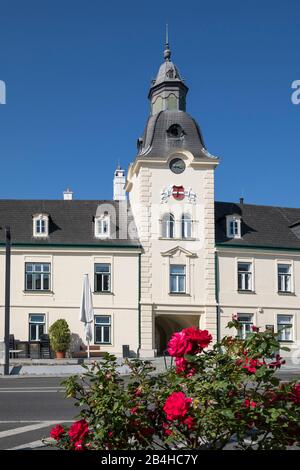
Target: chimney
column 68, row 195
column 241, row 200
column 119, row 184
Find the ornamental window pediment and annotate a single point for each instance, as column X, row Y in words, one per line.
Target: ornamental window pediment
column 178, row 251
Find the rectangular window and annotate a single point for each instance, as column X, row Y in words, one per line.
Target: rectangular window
column 284, row 277
column 245, row 321
column 37, row 276
column 102, row 226
column 233, row 227
column 102, row 329
column 177, row 279
column 40, row 226
column 285, row 327
column 36, row 326
column 102, row 277
column 245, row 276
column 233, row 224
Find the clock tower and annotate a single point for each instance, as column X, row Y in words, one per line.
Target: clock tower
column 171, row 193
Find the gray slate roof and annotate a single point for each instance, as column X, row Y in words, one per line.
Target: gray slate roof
column 266, row 226
column 157, row 144
column 70, row 222
column 164, row 71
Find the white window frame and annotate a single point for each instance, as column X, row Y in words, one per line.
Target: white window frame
column 291, row 276
column 167, row 221
column 186, row 226
column 177, row 276
column 242, row 333
column 35, row 273
column 251, row 272
column 38, row 220
column 286, row 331
column 101, row 326
column 37, row 324
column 100, row 223
column 233, row 221
column 102, row 274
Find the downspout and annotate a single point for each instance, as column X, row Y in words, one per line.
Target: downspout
column 217, row 296
column 139, row 306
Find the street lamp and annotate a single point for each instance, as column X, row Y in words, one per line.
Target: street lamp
column 7, row 298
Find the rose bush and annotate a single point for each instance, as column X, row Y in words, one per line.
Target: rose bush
column 209, row 398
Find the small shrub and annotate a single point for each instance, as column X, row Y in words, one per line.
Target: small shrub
column 60, row 335
column 208, row 398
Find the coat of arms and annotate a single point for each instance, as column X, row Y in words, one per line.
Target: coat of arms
column 178, row 193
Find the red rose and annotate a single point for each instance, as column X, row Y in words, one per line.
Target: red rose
column 249, row 403
column 57, row 432
column 178, row 344
column 250, row 365
column 277, row 363
column 181, row 365
column 189, row 422
column 167, row 431
column 177, row 406
column 78, row 430
column 134, row 410
column 188, row 341
column 184, row 367
column 198, row 339
column 78, row 445
column 296, row 394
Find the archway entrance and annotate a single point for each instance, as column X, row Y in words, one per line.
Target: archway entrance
column 166, row 325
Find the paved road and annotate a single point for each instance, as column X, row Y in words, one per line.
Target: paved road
column 29, row 407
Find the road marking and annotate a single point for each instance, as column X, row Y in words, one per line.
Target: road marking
column 24, row 429
column 35, row 421
column 31, row 391
column 30, row 445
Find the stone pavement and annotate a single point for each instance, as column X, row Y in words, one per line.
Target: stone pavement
column 67, row 367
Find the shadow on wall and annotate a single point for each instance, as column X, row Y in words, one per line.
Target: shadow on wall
column 76, row 343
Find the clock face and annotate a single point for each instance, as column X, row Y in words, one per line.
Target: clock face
column 177, row 165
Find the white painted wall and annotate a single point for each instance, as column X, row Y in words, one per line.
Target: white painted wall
column 67, row 269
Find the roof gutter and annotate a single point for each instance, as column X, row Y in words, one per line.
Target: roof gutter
column 72, row 245
column 255, row 247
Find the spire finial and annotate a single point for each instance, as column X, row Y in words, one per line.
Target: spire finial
column 167, row 52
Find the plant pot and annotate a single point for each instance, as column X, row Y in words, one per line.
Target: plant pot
column 60, row 354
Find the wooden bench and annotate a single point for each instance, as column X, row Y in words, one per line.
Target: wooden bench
column 94, row 352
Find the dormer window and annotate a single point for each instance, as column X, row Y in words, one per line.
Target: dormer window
column 102, row 226
column 41, row 225
column 233, row 223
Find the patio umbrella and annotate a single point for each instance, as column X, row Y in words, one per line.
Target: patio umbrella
column 86, row 310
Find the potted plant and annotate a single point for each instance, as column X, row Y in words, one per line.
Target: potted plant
column 60, row 337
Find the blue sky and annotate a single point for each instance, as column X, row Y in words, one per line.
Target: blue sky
column 78, row 73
